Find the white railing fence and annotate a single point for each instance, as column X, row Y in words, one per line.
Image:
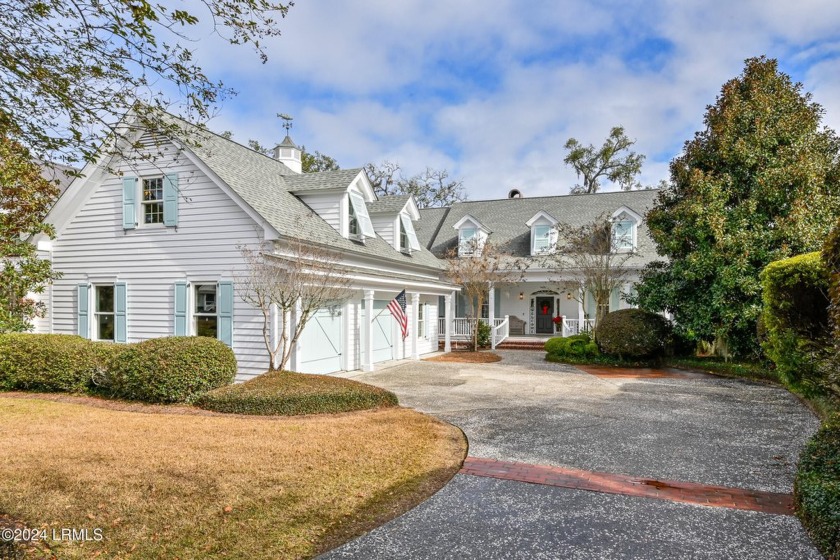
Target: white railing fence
column 577, row 326
column 500, row 332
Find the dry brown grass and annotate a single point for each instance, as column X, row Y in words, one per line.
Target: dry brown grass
column 183, row 486
column 467, row 357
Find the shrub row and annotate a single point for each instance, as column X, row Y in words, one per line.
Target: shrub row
column 290, row 393
column 794, row 327
column 160, row 370
column 817, row 488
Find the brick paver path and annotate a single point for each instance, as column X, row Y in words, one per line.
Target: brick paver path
column 687, row 492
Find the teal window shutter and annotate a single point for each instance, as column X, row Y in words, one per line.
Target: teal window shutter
column 170, row 200
column 225, row 305
column 614, row 299
column 120, row 315
column 180, row 309
column 83, row 311
column 441, row 306
column 460, row 305
column 129, row 202
column 497, row 303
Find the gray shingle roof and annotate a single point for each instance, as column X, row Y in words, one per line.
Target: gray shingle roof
column 388, row 204
column 324, row 180
column 506, row 218
column 264, row 185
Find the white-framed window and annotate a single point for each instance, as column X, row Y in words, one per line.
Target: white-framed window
column 403, row 239
column 358, row 212
column 467, row 241
column 408, row 237
column 151, row 201
column 353, row 224
column 624, row 233
column 542, row 239
column 104, row 319
column 421, row 321
column 205, row 310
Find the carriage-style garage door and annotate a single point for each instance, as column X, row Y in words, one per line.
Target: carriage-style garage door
column 383, row 332
column 321, row 343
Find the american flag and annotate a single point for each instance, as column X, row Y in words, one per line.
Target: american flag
column 397, row 309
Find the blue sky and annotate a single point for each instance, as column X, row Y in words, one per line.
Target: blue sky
column 491, row 90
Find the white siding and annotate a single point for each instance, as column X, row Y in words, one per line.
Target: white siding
column 204, row 247
column 328, row 206
column 385, row 227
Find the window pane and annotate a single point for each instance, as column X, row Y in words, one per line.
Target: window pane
column 153, row 213
column 105, row 299
column 105, row 327
column 152, row 189
column 207, row 326
column 205, row 298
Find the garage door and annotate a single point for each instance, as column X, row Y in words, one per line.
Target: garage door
column 321, row 343
column 383, row 331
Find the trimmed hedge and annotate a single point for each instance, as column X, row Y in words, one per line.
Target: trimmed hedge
column 817, row 488
column 633, row 333
column 795, row 320
column 289, row 393
column 171, row 369
column 51, row 362
column 575, row 346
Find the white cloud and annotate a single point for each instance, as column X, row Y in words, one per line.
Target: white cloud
column 492, row 90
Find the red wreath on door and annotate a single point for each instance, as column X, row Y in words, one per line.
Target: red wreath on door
column 545, row 309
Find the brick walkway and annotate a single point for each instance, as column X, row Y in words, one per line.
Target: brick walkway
column 687, row 492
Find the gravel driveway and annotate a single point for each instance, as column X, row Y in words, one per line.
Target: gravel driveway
column 701, row 429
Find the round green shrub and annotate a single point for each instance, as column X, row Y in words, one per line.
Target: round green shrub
column 171, row 369
column 817, row 488
column 576, row 346
column 48, row 362
column 633, row 333
column 483, row 334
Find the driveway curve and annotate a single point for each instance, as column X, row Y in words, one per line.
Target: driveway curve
column 690, row 428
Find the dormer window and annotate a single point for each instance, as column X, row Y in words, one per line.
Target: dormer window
column 467, row 241
column 408, row 237
column 360, row 225
column 542, row 239
column 543, row 234
column 624, row 225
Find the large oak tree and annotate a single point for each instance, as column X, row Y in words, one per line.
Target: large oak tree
column 760, row 182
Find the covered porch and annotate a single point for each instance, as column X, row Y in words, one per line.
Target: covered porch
column 537, row 310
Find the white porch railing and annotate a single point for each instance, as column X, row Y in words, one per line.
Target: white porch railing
column 577, row 326
column 461, row 327
column 500, row 332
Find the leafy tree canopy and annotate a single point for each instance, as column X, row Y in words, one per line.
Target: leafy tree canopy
column 69, row 70
column 614, row 161
column 761, row 182
column 431, row 188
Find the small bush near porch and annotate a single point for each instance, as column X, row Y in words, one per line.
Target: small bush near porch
column 203, row 485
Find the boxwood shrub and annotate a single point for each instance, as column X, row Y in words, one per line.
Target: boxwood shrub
column 575, row 346
column 171, row 369
column 50, row 362
column 633, row 333
column 795, row 320
column 817, row 488
column 290, row 393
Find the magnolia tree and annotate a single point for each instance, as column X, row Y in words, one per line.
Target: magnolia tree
column 288, row 289
column 480, row 266
column 591, row 252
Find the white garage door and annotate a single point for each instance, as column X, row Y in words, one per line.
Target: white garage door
column 321, row 343
column 383, row 331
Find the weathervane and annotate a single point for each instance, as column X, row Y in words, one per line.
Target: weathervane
column 287, row 121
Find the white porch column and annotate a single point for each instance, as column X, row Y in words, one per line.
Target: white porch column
column 491, row 304
column 414, row 333
column 368, row 329
column 447, row 322
column 581, row 316
column 295, row 320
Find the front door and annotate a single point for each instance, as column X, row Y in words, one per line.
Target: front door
column 545, row 312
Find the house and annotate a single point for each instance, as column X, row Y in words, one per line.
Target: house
column 149, row 247
column 526, row 228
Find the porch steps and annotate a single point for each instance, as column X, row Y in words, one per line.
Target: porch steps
column 513, row 344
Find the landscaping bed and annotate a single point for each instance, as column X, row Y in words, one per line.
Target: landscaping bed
column 195, row 486
column 467, row 357
column 289, row 393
